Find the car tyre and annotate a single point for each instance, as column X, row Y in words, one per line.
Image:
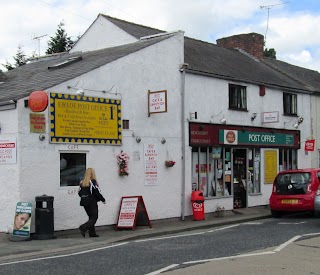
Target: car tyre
column 276, row 214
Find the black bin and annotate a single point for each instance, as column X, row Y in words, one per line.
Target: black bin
column 44, row 219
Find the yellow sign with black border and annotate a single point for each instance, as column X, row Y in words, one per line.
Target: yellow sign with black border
column 86, row 120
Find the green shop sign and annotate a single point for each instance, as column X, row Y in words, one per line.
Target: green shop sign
column 234, row 137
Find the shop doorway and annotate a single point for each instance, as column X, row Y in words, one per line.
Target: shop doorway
column 239, row 178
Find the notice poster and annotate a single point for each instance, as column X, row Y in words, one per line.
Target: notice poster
column 22, row 219
column 151, row 164
column 128, row 212
column 8, row 151
column 270, row 166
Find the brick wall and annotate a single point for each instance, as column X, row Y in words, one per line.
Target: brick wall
column 251, row 43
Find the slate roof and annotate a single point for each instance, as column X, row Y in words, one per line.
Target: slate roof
column 23, row 80
column 135, row 30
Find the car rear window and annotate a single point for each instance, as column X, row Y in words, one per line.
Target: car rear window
column 292, row 183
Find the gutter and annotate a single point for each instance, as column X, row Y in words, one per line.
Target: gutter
column 183, row 68
column 8, row 105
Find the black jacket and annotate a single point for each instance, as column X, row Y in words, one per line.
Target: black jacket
column 91, row 191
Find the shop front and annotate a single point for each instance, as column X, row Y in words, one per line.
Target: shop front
column 240, row 162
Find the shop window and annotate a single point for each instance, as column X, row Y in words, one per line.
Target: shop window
column 289, row 104
column 254, row 157
column 237, row 97
column 288, row 159
column 208, row 171
column 72, row 168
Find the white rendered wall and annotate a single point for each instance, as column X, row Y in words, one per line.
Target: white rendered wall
column 209, row 96
column 9, row 173
column 154, row 68
column 102, row 34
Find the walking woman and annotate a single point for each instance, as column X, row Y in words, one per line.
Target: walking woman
column 90, row 195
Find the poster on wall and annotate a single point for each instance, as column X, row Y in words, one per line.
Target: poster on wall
column 22, row 219
column 150, row 164
column 8, row 151
column 270, row 166
column 86, row 120
column 37, row 123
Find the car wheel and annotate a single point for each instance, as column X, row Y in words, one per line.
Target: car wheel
column 316, row 214
column 276, row 214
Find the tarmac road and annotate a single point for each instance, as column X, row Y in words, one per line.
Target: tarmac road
column 297, row 257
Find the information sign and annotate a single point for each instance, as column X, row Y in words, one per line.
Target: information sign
column 82, row 119
column 132, row 212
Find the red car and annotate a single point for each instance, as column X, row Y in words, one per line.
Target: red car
column 296, row 191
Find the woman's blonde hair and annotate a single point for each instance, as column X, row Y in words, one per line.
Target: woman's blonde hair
column 89, row 175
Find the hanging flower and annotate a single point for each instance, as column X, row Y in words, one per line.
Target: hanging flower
column 169, row 163
column 123, row 159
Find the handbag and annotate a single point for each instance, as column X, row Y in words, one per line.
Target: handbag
column 86, row 198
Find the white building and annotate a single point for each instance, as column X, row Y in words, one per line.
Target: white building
column 199, row 86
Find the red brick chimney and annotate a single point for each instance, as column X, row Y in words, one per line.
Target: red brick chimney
column 251, row 43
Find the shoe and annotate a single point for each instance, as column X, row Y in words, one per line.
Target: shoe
column 82, row 232
column 93, row 236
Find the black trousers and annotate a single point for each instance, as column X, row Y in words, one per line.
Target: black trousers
column 92, row 212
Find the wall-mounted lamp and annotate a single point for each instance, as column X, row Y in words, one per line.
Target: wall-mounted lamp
column 42, row 137
column 253, row 116
column 138, row 139
column 163, row 140
column 299, row 121
column 80, row 92
column 193, row 115
column 223, row 120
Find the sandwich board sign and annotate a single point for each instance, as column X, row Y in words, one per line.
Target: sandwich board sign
column 22, row 219
column 132, row 212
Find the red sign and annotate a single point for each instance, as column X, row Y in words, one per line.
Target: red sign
column 309, row 145
column 38, row 101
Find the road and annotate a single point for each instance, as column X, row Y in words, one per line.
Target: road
column 167, row 253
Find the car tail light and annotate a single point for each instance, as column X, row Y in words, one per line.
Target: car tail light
column 309, row 188
column 318, row 191
column 274, row 189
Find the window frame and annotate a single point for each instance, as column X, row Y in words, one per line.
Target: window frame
column 76, row 168
column 238, row 97
column 290, row 104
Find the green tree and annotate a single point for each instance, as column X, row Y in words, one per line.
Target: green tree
column 20, row 59
column 60, row 42
column 270, row 53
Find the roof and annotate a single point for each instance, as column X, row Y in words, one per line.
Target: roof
column 308, row 77
column 23, row 80
column 133, row 29
column 232, row 64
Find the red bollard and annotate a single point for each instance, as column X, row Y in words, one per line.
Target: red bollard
column 197, row 200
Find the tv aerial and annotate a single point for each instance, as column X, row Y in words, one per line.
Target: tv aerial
column 268, row 7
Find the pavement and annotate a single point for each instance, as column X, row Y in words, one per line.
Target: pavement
column 70, row 241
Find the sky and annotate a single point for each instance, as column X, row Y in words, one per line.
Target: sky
column 290, row 27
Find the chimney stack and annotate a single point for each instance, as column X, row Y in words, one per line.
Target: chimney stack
column 251, row 43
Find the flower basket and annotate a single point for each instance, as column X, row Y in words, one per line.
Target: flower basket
column 122, row 160
column 169, row 163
